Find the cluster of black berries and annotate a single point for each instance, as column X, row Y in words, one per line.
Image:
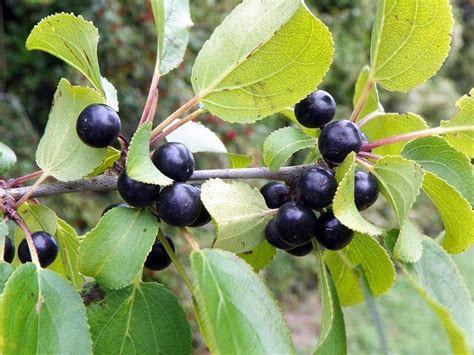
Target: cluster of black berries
column 178, row 205
column 295, row 224
column 45, row 245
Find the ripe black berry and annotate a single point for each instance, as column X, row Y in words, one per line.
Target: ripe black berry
column 331, row 233
column 135, row 193
column 46, row 248
column 275, row 194
column 365, row 190
column 302, row 250
column 317, row 109
column 338, row 139
column 179, row 204
column 8, row 250
column 204, row 217
column 295, row 223
column 174, row 160
column 113, row 205
column 98, row 126
column 316, row 187
column 273, row 238
column 158, row 258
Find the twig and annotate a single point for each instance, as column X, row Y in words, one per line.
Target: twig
column 362, row 99
column 108, row 182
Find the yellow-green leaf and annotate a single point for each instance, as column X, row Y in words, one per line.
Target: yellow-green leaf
column 410, row 41
column 265, row 56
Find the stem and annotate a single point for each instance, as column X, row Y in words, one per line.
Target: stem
column 108, row 181
column 362, row 99
column 21, row 179
column 178, row 124
column 152, row 98
column 414, row 135
column 369, row 155
column 31, row 189
column 176, row 263
column 368, row 118
column 370, row 301
column 167, row 121
column 29, row 239
column 194, row 245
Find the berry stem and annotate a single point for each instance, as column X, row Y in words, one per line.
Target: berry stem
column 362, row 99
column 31, row 189
column 369, row 155
column 177, row 264
column 193, row 115
column 167, row 121
column 29, row 239
column 194, row 245
column 416, row 134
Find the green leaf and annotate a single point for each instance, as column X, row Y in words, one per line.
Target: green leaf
column 239, row 160
column 37, row 218
column 6, row 270
column 282, row 144
column 260, row 256
column 392, row 124
column 68, row 242
column 400, row 180
column 139, row 165
column 367, row 253
column 7, row 158
column 290, row 114
column 372, row 104
column 197, row 138
column 71, row 39
column 41, row 313
column 115, row 250
column 235, row 319
column 332, row 339
column 144, row 318
column 455, row 211
column 264, row 57
column 410, row 41
column 60, row 152
column 111, row 156
column 239, row 213
column 437, row 279
column 172, row 21
column 462, row 141
column 438, row 157
column 343, row 205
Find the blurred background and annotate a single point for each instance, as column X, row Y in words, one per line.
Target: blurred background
column 127, row 53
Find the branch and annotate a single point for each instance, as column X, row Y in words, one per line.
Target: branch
column 108, row 181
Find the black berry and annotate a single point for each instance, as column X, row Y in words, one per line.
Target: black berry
column 275, row 194
column 204, row 217
column 338, row 139
column 302, row 250
column 295, row 223
column 317, row 109
column 174, row 160
column 179, row 204
column 331, row 233
column 45, row 245
column 8, row 250
column 316, row 187
column 113, row 205
column 273, row 237
column 365, row 190
column 135, row 193
column 98, row 126
column 158, row 258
